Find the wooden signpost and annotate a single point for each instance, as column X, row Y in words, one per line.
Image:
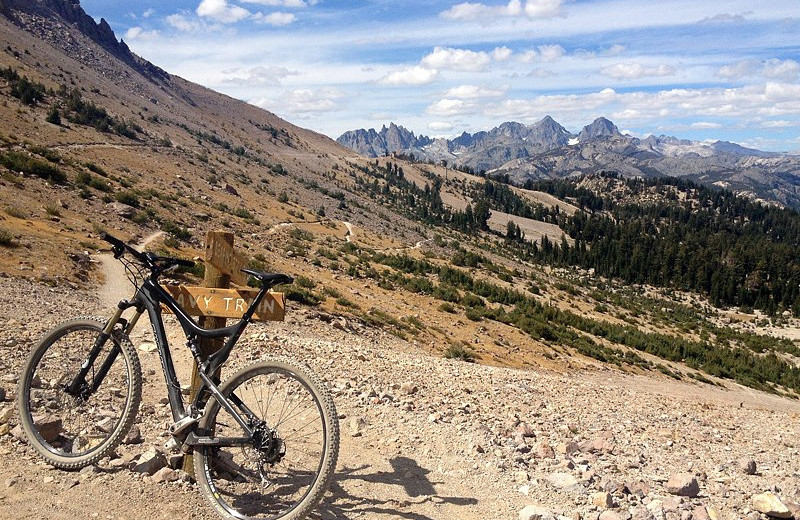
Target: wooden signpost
column 216, row 301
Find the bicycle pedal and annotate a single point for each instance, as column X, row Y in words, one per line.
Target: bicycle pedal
column 182, row 425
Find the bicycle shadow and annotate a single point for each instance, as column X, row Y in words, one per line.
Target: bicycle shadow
column 406, row 473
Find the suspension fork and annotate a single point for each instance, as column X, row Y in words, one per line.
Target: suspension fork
column 78, row 387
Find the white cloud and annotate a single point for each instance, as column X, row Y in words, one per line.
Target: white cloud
column 636, row 70
column 276, row 19
column 440, row 126
column 786, row 70
column 469, row 11
column 473, row 92
column 410, row 76
column 258, row 76
column 457, row 59
column 705, row 125
column 501, row 53
column 540, row 73
column 148, row 13
column 546, row 53
column 451, row 107
column 738, row 70
column 282, row 3
column 550, row 53
column 304, row 101
column 221, row 11
column 183, row 23
column 137, row 33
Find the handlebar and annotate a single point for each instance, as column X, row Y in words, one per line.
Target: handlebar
column 154, row 262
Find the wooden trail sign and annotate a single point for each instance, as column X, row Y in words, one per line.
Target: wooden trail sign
column 227, row 303
column 220, row 254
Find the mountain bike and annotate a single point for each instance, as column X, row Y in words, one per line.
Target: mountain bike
column 264, row 442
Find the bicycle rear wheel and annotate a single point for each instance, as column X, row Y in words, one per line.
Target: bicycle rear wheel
column 71, row 430
column 284, row 472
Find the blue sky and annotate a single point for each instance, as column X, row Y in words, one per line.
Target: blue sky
column 726, row 70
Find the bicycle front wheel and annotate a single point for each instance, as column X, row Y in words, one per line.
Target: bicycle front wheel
column 284, row 471
column 75, row 427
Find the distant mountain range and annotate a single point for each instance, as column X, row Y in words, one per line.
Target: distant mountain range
column 546, row 150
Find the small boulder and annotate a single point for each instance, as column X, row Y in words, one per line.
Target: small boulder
column 149, row 462
column 771, row 505
column 748, row 466
column 683, row 485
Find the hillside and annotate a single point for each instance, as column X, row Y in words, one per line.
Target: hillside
column 399, row 265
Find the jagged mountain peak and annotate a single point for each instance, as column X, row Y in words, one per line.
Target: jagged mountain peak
column 600, row 127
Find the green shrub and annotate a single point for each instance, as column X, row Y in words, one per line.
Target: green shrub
column 6, row 239
column 22, row 162
column 447, row 307
column 459, row 351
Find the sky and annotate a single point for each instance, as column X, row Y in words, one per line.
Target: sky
column 701, row 70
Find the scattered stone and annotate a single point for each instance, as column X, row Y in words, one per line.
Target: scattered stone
column 683, row 485
column 134, row 436
column 356, row 426
column 613, row 515
column 748, row 466
column 771, row 505
column 148, row 346
column 602, row 499
column 562, row 480
column 48, row 426
column 149, row 462
column 165, row 474
column 544, row 451
column 536, row 513
column 408, row 388
column 122, row 210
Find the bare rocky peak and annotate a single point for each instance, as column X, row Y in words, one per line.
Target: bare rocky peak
column 600, row 127
column 64, row 23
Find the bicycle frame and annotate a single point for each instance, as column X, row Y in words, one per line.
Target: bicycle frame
column 149, row 297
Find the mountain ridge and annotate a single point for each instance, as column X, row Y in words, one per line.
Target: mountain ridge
column 545, row 149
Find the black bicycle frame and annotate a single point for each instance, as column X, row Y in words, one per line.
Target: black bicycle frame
column 150, row 296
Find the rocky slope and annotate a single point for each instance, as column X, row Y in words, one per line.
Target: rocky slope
column 427, row 438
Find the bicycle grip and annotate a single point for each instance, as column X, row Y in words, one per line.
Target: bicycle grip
column 118, row 246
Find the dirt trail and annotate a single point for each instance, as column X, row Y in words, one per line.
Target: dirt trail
column 116, row 285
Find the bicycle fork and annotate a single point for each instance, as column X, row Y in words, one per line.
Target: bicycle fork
column 78, row 387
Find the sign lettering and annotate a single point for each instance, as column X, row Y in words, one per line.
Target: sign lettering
column 227, row 303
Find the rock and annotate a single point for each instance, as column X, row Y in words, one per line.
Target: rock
column 408, row 388
column 544, row 451
column 134, row 436
column 683, row 485
column 748, row 466
column 166, row 474
column 122, row 210
column 562, row 480
column 524, row 430
column 48, row 426
column 641, row 513
column 602, row 500
column 149, row 462
column 613, row 515
column 230, row 189
column 147, row 346
column 568, row 448
column 536, row 513
column 771, row 505
column 357, row 426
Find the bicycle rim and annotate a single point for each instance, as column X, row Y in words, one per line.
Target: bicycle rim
column 73, row 431
column 288, row 475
